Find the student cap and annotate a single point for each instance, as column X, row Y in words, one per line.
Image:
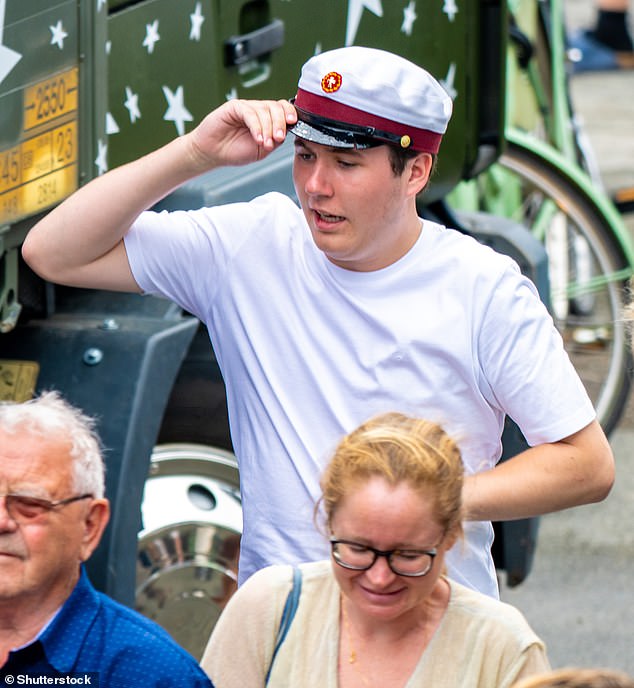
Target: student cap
column 358, row 97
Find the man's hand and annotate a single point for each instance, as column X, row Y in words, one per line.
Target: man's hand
column 240, row 132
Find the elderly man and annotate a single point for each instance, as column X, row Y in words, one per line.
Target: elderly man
column 52, row 515
column 347, row 307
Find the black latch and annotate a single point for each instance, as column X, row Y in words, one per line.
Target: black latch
column 240, row 49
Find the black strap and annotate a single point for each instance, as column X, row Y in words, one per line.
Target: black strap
column 288, row 613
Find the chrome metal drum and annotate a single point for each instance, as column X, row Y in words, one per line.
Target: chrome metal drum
column 188, row 547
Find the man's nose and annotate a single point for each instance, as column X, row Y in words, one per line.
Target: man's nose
column 6, row 520
column 317, row 183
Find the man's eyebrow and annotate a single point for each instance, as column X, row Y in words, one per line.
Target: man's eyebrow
column 28, row 491
column 345, row 151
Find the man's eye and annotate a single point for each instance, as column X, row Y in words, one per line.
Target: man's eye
column 28, row 506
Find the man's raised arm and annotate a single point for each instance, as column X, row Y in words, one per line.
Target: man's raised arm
column 80, row 243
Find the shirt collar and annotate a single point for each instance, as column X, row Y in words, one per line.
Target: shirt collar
column 63, row 636
column 39, row 634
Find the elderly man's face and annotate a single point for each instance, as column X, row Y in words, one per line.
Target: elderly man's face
column 40, row 556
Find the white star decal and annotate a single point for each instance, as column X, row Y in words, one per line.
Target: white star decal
column 102, row 158
column 58, row 35
column 108, row 47
column 232, row 95
column 450, row 9
column 176, row 110
column 355, row 10
column 197, row 21
column 151, row 36
column 448, row 82
column 8, row 58
column 409, row 17
column 111, row 124
column 132, row 104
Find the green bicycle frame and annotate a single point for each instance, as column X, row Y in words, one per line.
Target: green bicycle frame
column 582, row 181
column 541, row 123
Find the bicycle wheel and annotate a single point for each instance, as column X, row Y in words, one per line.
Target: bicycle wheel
column 587, row 270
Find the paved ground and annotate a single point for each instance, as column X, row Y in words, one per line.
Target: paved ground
column 580, row 594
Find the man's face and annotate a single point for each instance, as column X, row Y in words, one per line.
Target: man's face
column 360, row 214
column 40, row 557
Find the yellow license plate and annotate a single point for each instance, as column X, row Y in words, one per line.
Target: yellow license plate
column 50, row 99
column 42, row 169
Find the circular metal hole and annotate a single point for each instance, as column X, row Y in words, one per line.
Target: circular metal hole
column 201, row 497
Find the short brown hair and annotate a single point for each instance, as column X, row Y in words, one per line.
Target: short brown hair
column 400, row 156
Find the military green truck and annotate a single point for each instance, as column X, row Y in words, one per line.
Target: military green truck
column 86, row 85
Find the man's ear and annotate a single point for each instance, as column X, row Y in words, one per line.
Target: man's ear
column 419, row 172
column 95, row 521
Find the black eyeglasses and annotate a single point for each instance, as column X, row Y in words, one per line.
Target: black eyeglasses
column 403, row 562
column 22, row 508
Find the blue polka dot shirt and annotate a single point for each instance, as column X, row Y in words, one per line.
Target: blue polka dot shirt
column 100, row 642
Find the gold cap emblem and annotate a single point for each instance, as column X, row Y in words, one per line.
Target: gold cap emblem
column 405, row 141
column 331, row 82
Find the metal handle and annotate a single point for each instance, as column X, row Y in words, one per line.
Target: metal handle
column 240, row 49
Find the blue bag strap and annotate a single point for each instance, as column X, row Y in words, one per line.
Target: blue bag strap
column 288, row 613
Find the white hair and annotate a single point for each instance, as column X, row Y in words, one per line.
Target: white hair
column 50, row 414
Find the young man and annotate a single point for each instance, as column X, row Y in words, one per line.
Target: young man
column 350, row 306
column 53, row 623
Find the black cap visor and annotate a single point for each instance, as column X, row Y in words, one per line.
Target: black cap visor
column 329, row 132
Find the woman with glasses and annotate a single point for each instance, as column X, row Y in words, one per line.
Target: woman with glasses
column 381, row 612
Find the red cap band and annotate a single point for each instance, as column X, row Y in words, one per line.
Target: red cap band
column 422, row 139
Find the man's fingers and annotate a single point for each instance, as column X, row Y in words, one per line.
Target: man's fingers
column 241, row 131
column 267, row 120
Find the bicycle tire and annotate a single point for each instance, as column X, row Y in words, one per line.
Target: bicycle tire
column 588, row 313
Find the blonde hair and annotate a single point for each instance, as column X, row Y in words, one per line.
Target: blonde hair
column 578, row 678
column 398, row 448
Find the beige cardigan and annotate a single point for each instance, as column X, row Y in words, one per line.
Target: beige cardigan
column 480, row 643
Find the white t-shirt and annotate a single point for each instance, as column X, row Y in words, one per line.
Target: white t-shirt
column 451, row 332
